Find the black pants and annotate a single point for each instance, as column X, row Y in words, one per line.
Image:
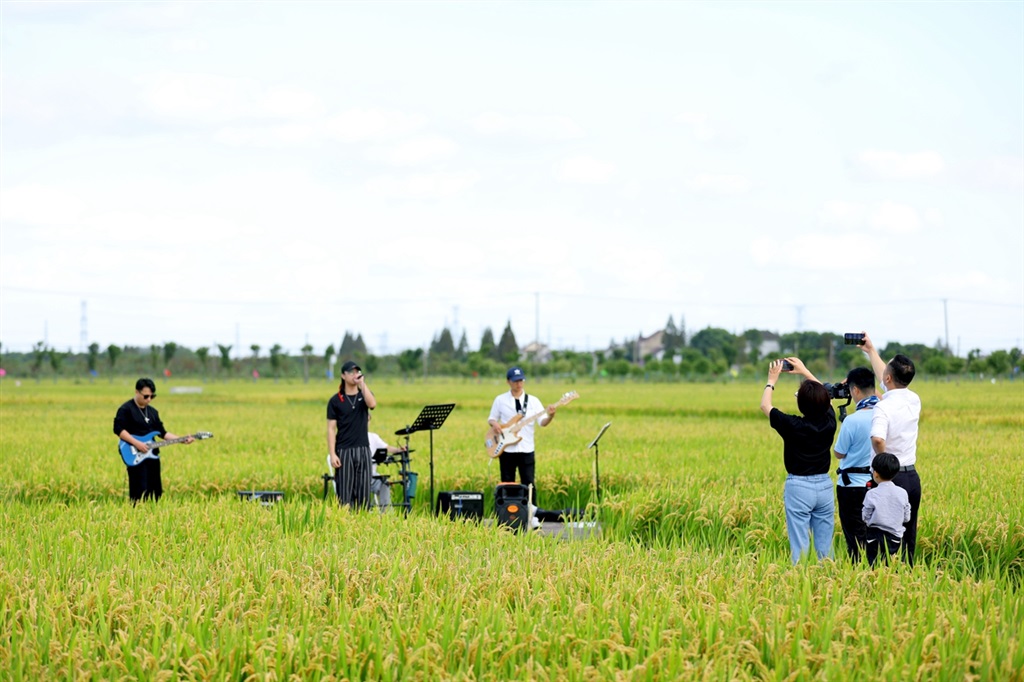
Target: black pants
column 911, row 482
column 881, row 543
column 850, row 501
column 144, row 481
column 526, row 463
column 352, row 480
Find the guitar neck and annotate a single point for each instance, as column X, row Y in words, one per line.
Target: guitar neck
column 165, row 443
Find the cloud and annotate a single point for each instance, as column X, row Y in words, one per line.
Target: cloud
column 893, row 217
column 802, row 252
column 361, row 125
column 998, row 173
column 585, row 170
column 541, row 127
column 721, row 184
column 698, row 122
column 209, row 98
column 414, row 151
column 427, row 186
column 842, row 213
column 285, row 135
column 876, row 164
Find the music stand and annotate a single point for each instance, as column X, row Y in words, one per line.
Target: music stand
column 597, row 449
column 430, row 419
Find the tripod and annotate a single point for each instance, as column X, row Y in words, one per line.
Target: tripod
column 597, row 449
column 430, row 419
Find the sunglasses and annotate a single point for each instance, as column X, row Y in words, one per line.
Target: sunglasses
column 147, row 396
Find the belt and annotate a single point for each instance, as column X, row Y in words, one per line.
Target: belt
column 909, row 467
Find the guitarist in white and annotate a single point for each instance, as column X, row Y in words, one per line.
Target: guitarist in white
column 135, row 419
column 506, row 406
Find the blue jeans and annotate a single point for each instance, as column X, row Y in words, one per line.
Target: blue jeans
column 810, row 510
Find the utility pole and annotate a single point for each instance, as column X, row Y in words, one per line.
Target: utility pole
column 83, row 339
column 536, row 317
column 945, row 316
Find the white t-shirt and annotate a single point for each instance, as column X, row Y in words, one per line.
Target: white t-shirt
column 895, row 418
column 504, row 408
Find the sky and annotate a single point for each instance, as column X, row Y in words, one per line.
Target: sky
column 257, row 173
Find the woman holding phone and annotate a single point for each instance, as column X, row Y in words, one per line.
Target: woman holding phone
column 807, row 445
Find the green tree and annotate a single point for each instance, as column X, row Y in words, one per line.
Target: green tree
column 38, row 357
column 409, row 360
column 753, row 338
column 508, row 349
column 671, row 339
column 276, row 360
column 442, row 345
column 170, row 348
column 329, row 360
column 57, row 361
column 306, row 351
column 487, row 344
column 154, row 358
column 999, row 362
column 113, row 353
column 710, row 339
column 936, row 365
column 225, row 359
column 92, row 360
column 255, row 348
column 371, row 363
column 462, row 351
column 203, row 353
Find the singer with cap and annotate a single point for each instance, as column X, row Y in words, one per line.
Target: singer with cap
column 520, row 455
column 348, row 443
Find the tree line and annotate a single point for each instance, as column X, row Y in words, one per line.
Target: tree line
column 708, row 354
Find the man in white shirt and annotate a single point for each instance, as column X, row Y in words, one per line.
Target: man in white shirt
column 521, row 455
column 894, row 425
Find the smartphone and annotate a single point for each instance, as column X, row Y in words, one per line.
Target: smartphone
column 787, row 366
column 853, row 339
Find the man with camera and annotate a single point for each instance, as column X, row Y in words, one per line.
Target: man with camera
column 854, row 452
column 894, row 425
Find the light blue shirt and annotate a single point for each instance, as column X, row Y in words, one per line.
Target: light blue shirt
column 855, row 442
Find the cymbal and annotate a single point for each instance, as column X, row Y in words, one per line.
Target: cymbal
column 403, row 432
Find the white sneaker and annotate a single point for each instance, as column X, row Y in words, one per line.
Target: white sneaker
column 534, row 523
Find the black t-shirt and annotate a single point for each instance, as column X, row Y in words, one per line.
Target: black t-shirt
column 807, row 443
column 353, row 417
column 131, row 418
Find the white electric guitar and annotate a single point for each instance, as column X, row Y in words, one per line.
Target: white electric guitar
column 510, row 431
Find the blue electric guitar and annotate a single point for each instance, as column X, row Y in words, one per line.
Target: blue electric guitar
column 132, row 456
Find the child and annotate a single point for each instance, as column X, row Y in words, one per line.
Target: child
column 886, row 508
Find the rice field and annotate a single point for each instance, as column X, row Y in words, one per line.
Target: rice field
column 689, row 579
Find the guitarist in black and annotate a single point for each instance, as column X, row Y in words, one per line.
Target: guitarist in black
column 138, row 417
column 520, row 455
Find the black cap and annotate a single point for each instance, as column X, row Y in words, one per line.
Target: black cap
column 349, row 366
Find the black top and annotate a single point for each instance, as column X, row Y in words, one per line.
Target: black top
column 131, row 418
column 807, row 442
column 353, row 418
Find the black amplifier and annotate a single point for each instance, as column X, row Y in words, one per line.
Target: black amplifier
column 460, row 504
column 512, row 506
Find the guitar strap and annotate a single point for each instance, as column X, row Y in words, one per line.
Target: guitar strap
column 522, row 409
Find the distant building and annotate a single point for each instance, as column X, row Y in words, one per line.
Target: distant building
column 535, row 351
column 641, row 347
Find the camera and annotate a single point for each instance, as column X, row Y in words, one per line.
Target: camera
column 838, row 391
column 787, row 366
column 853, row 339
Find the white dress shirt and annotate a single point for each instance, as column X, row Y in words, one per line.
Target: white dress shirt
column 504, row 408
column 895, row 419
